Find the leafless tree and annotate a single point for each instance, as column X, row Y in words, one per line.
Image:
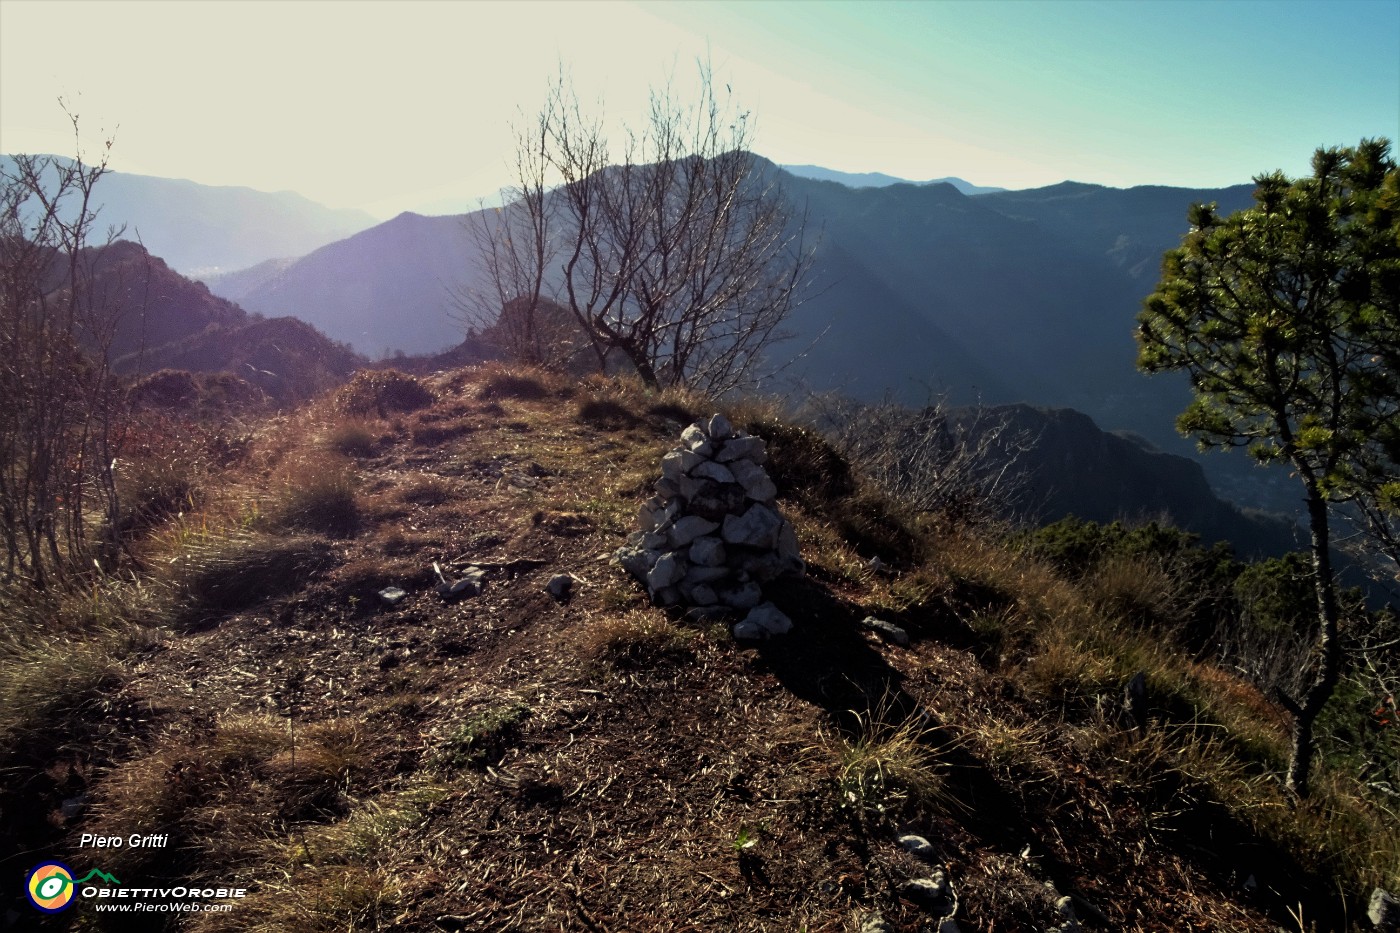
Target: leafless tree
column 962, row 464
column 59, row 421
column 677, row 253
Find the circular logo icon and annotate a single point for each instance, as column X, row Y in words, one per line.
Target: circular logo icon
column 50, row 887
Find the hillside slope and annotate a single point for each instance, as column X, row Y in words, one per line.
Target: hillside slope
column 1017, row 296
column 1014, row 296
column 513, row 761
column 163, row 320
column 286, row 358
column 386, row 289
column 1074, row 468
column 199, row 228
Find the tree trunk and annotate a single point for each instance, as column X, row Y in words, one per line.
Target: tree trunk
column 1328, row 650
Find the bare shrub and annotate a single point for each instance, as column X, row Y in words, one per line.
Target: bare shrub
column 677, row 256
column 61, row 420
column 959, row 465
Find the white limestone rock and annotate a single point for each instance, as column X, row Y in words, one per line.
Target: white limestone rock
column 560, row 586
column 666, row 572
column 705, row 574
column 714, row 471
column 703, row 595
column 687, row 529
column 754, row 479
column 745, row 596
column 788, row 548
column 707, row 551
column 917, row 845
column 749, row 631
column 744, row 447
column 756, row 528
column 887, row 630
column 696, row 441
column 768, row 617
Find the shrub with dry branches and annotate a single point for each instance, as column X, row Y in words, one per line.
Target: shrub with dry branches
column 61, row 419
column 959, row 464
column 677, row 254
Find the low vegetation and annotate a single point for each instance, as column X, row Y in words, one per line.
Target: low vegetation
column 517, row 761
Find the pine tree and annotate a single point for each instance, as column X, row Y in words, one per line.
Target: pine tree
column 1284, row 316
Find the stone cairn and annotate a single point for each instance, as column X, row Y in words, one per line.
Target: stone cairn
column 712, row 535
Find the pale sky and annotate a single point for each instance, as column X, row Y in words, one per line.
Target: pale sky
column 395, row 106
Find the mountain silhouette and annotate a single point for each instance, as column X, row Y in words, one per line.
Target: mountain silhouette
column 197, row 229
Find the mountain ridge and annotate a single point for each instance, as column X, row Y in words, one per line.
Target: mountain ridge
column 196, row 227
column 1015, row 296
column 880, row 179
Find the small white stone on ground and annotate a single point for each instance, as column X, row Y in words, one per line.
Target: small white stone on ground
column 918, row 845
column 560, row 585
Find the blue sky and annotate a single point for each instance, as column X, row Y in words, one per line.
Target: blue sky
column 409, row 105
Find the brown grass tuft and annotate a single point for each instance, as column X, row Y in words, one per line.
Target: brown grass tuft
column 499, row 382
column 638, row 640
column 317, row 494
column 353, row 438
column 218, row 572
column 380, row 392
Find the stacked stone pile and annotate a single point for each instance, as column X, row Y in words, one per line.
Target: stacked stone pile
column 712, row 535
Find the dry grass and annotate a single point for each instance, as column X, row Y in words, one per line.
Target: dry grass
column 382, row 392
column 1136, row 590
column 370, row 829
column 890, row 761
column 532, row 765
column 500, row 382
column 218, row 571
column 482, row 737
column 637, row 640
column 312, row 899
column 53, row 688
column 353, row 437
column 221, row 795
column 151, row 490
column 426, row 489
column 316, row 494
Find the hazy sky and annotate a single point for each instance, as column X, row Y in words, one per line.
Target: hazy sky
column 408, row 105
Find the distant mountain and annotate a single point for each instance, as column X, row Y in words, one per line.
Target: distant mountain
column 1074, row 468
column 1004, row 297
column 235, row 284
column 879, row 179
column 385, row 289
column 202, row 228
column 1132, row 226
column 1040, row 288
column 1010, row 296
